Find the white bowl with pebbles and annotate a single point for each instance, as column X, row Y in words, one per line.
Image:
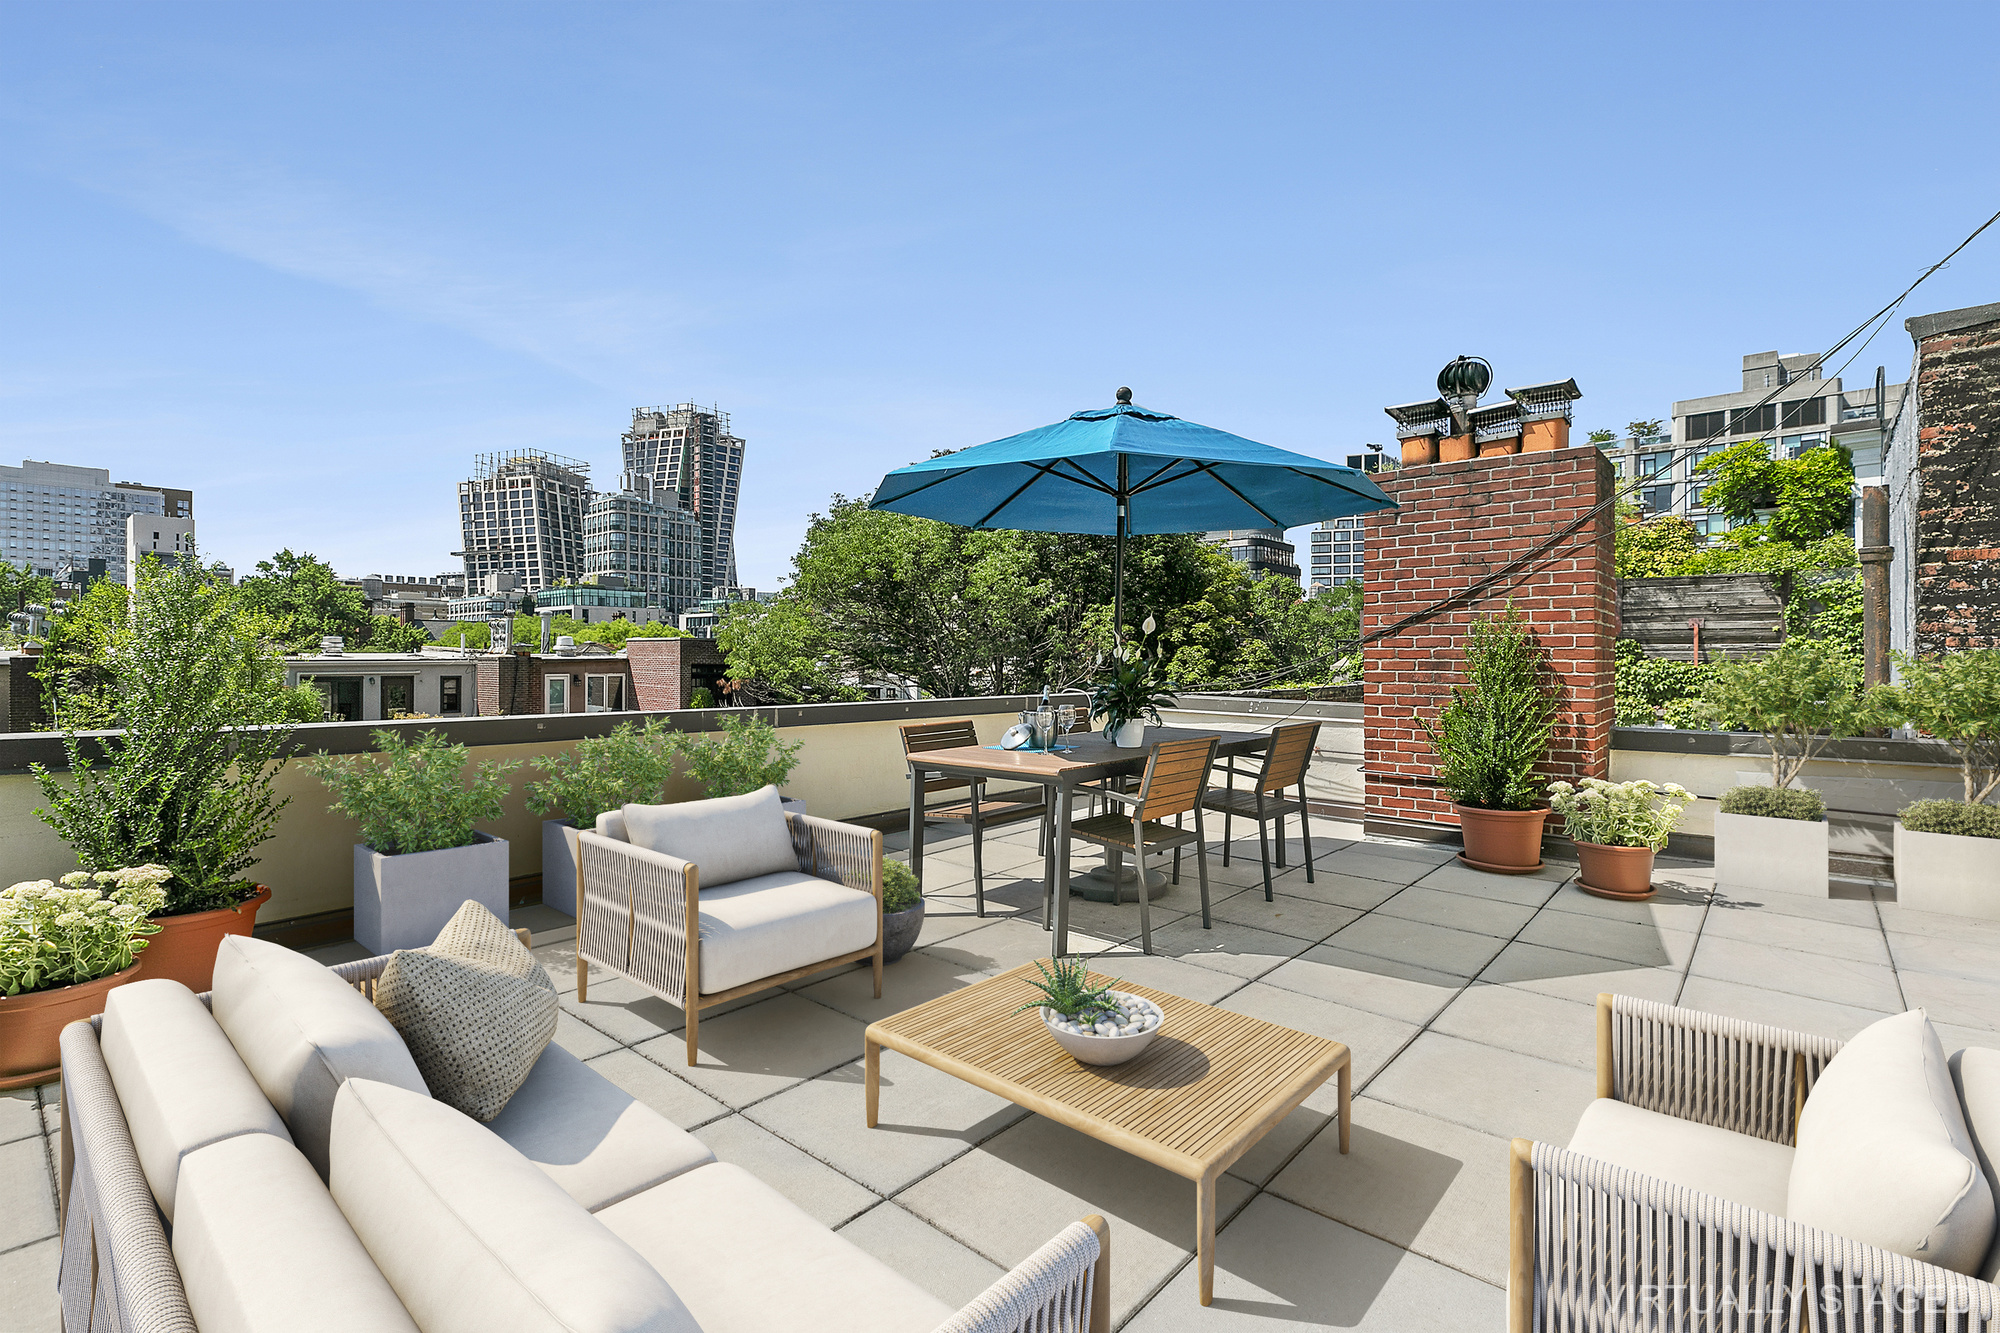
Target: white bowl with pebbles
column 1116, row 1037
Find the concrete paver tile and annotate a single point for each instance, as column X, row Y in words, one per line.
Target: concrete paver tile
column 1459, row 911
column 1645, row 944
column 1579, row 976
column 1957, row 1000
column 20, row 1114
column 828, row 1196
column 1379, row 985
column 1559, row 1029
column 1800, row 1013
column 675, row 1098
column 923, row 1254
column 1502, row 1093
column 1227, row 947
column 27, row 1193
column 1419, row 943
column 28, row 1288
column 1286, row 915
column 1864, row 985
column 748, row 1054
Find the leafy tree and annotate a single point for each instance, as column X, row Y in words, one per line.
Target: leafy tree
column 302, row 602
column 781, row 652
column 1955, row 698
column 1811, row 494
column 186, row 672
column 1653, row 548
column 1601, row 437
column 1645, row 427
column 1802, row 697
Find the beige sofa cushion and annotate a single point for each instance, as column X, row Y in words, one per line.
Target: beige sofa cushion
column 1883, row 1152
column 1721, row 1162
column 302, row 1032
column 591, row 1136
column 262, row 1248
column 180, row 1082
column 475, row 1009
column 728, row 839
column 1975, row 1073
column 472, row 1236
column 760, row 927
column 746, row 1259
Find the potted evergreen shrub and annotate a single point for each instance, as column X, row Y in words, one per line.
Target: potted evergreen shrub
column 1491, row 740
column 420, row 858
column 1948, row 852
column 1801, row 698
column 630, row 765
column 745, row 755
column 902, row 910
column 62, row 946
column 1618, row 828
column 175, row 719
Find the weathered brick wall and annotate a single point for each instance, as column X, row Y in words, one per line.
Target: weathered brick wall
column 1957, row 599
column 665, row 671
column 1459, row 523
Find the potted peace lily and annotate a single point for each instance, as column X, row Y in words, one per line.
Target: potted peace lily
column 1132, row 697
column 629, row 766
column 419, row 858
column 1491, row 740
column 1618, row 827
column 62, row 946
column 1948, row 852
column 1801, row 697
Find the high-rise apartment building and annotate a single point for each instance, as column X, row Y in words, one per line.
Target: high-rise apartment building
column 522, row 513
column 1262, row 550
column 1337, row 551
column 691, row 457
column 638, row 536
column 178, row 503
column 54, row 516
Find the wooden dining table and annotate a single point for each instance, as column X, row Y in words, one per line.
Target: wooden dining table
column 1079, row 757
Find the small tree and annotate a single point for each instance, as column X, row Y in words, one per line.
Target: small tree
column 200, row 696
column 420, row 798
column 1601, row 438
column 1645, row 427
column 629, row 766
column 1802, row 697
column 1955, row 698
column 1493, row 735
column 747, row 756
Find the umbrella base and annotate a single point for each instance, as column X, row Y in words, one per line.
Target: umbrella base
column 1096, row 885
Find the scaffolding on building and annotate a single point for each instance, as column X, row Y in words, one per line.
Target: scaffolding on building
column 540, row 462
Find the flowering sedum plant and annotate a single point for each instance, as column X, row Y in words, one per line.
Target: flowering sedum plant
column 1619, row 814
column 88, row 925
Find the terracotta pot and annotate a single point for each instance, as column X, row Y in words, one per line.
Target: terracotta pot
column 184, row 950
column 1505, row 842
column 1615, row 872
column 31, row 1026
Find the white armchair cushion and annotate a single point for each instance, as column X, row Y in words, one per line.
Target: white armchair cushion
column 748, row 1260
column 1884, row 1156
column 728, row 839
column 181, row 1084
column 760, row 927
column 261, row 1247
column 472, row 1236
column 1732, row 1166
column 302, row 1032
column 591, row 1136
column 1976, row 1073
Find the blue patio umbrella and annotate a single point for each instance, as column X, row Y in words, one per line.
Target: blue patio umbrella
column 1115, row 471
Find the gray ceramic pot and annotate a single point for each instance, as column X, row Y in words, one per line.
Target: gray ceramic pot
column 899, row 931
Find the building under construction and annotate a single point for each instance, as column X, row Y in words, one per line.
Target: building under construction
column 522, row 513
column 697, row 464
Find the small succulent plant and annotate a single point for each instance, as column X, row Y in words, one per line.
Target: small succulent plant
column 1068, row 991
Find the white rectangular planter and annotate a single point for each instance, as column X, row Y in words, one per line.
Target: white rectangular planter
column 402, row 902
column 1755, row 854
column 1944, row 872
column 559, row 853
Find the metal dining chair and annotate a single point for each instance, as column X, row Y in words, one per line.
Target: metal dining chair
column 979, row 809
column 1286, row 759
column 1176, row 775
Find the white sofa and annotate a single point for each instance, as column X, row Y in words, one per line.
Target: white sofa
column 266, row 1157
column 1733, row 1175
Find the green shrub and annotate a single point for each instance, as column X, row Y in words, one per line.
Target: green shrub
column 1801, row 697
column 1494, row 733
column 745, row 756
column 1775, row 803
column 628, row 766
column 1651, row 690
column 899, row 887
column 1955, row 698
column 420, row 798
column 702, row 697
column 1964, row 819
column 89, row 926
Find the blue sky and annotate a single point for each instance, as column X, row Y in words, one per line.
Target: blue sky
column 309, row 259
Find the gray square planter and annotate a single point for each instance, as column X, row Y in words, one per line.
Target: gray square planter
column 1944, row 872
column 1754, row 854
column 559, row 853
column 402, row 902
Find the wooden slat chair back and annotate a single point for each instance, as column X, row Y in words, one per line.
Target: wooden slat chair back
column 1175, row 777
column 978, row 811
column 1286, row 760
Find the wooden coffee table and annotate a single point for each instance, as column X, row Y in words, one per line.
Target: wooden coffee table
column 1209, row 1087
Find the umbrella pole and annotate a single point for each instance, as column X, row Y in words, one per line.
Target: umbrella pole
column 1118, row 564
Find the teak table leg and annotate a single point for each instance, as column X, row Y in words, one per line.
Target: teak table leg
column 1204, row 1235
column 873, row 1064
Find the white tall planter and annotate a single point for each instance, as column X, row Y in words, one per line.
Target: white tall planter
column 402, row 902
column 1755, row 854
column 559, row 855
column 1130, row 735
column 1945, row 872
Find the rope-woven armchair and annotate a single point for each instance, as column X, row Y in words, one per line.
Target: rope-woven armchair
column 638, row 913
column 1596, row 1246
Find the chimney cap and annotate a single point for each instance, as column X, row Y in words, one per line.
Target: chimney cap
column 1471, row 375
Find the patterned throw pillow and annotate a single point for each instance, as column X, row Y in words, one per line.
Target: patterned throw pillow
column 475, row 1009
